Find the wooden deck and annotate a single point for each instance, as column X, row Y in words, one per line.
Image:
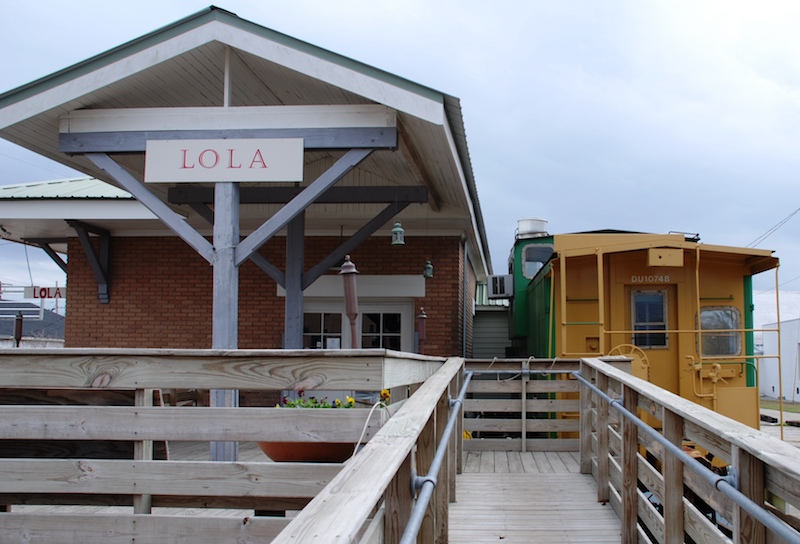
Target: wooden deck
column 531, row 497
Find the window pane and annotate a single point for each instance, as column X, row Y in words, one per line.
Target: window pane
column 371, row 323
column 391, row 323
column 368, row 341
column 649, row 309
column 392, row 342
column 333, row 323
column 312, row 322
column 720, row 343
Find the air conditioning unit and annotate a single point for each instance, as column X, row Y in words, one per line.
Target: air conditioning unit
column 501, row 286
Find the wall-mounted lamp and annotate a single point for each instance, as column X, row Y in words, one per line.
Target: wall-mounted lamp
column 398, row 235
column 427, row 270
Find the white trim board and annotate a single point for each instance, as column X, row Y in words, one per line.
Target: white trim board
column 367, row 286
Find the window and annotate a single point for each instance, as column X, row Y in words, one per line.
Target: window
column 720, row 318
column 322, row 330
column 534, row 257
column 649, row 313
column 381, row 330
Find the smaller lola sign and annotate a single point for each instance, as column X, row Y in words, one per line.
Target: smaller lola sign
column 45, row 292
column 253, row 160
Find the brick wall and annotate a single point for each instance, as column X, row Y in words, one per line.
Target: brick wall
column 161, row 293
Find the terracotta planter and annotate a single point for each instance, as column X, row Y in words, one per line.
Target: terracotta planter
column 308, row 452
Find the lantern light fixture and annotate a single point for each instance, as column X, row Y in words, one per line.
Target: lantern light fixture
column 398, row 235
column 427, row 270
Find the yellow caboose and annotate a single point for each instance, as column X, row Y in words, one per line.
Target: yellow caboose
column 681, row 309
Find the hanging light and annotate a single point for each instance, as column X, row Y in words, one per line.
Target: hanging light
column 427, row 270
column 398, row 235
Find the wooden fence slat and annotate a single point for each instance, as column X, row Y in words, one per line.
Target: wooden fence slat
column 50, row 528
column 209, row 478
column 184, row 423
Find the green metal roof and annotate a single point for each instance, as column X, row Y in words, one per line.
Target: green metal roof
column 77, row 188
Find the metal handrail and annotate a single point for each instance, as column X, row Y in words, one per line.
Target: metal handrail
column 426, row 484
column 721, row 483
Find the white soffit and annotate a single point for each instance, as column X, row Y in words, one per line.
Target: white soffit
column 367, row 286
column 305, row 63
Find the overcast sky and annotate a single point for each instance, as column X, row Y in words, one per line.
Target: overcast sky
column 653, row 116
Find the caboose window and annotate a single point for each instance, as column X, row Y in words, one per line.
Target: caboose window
column 719, row 319
column 649, row 313
column 534, row 257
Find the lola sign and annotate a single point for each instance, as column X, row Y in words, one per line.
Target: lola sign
column 254, row 160
column 45, row 292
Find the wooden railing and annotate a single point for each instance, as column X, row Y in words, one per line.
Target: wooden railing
column 658, row 490
column 28, row 377
column 537, row 399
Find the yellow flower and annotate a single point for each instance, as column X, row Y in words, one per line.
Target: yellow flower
column 350, row 400
column 337, row 403
column 385, row 395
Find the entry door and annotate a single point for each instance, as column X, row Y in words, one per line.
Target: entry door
column 653, row 309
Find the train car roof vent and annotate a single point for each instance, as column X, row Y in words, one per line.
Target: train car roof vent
column 531, row 228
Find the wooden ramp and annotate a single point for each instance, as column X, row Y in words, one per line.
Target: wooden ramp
column 531, row 498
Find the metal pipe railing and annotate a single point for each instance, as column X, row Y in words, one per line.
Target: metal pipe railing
column 426, row 484
column 721, row 483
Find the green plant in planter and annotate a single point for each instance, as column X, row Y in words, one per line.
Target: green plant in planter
column 314, row 402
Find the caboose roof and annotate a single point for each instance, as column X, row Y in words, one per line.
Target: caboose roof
column 573, row 245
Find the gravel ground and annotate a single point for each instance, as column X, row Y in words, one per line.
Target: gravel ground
column 791, row 434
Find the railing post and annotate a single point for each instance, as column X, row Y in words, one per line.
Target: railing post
column 426, row 449
column 602, row 439
column 586, row 419
column 630, row 462
column 441, row 502
column 673, row 479
column 399, row 503
column 750, row 473
column 143, row 450
column 523, row 394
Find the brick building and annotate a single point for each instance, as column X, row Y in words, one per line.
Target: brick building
column 237, row 263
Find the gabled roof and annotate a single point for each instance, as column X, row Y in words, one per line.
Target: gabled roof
column 183, row 65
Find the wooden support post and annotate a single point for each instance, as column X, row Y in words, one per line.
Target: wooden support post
column 399, row 503
column 586, row 419
column 673, row 480
column 225, row 325
column 459, row 380
column 602, row 440
column 143, row 451
column 630, row 465
column 295, row 249
column 750, row 470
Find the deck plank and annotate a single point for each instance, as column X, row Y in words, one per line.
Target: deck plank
column 529, row 508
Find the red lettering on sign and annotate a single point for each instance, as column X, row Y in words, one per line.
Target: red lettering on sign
column 185, row 166
column 257, row 158
column 205, row 153
column 230, row 159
